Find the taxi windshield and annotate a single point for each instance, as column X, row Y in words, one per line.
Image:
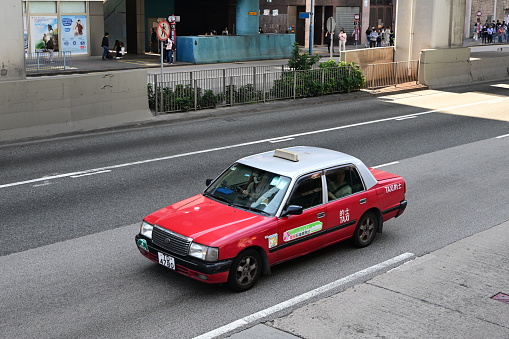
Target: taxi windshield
column 249, row 188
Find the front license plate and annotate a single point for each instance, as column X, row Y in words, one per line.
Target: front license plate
column 166, row 260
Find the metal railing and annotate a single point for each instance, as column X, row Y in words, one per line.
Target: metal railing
column 183, row 91
column 40, row 62
column 390, row 74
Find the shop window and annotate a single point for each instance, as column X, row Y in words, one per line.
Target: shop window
column 37, row 7
column 72, row 7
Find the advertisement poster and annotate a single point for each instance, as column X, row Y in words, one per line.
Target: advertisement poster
column 25, row 34
column 42, row 29
column 74, row 34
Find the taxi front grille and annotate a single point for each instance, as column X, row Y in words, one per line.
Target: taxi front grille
column 171, row 241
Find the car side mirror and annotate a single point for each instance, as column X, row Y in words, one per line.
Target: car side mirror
column 208, row 182
column 292, row 210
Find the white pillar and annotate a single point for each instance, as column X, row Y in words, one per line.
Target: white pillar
column 306, row 32
column 428, row 24
column 12, row 56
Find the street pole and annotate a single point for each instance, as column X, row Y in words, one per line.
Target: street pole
column 311, row 19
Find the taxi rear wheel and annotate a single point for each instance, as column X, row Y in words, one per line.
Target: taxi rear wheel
column 366, row 230
column 245, row 271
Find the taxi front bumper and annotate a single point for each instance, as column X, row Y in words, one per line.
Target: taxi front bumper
column 208, row 272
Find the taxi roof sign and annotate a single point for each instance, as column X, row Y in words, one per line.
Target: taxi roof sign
column 287, row 155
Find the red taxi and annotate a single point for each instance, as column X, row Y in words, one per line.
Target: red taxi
column 268, row 208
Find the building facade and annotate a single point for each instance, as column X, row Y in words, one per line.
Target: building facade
column 485, row 11
column 74, row 26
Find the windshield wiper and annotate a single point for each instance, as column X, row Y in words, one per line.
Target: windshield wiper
column 249, row 208
column 218, row 198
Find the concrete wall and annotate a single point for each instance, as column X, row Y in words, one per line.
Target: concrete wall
column 12, row 63
column 53, row 105
column 365, row 56
column 230, row 48
column 447, row 67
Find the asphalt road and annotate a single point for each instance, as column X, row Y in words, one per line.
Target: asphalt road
column 70, row 207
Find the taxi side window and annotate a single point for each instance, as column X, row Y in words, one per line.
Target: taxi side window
column 342, row 182
column 308, row 192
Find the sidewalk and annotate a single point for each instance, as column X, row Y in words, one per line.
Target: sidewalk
column 459, row 291
column 152, row 62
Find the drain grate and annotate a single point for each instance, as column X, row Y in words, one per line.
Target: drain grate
column 501, row 297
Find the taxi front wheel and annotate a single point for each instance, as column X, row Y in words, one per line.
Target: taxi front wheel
column 245, row 271
column 366, row 230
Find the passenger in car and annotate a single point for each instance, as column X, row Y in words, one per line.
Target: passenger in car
column 337, row 187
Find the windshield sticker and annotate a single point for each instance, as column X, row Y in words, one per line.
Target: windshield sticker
column 272, row 240
column 302, row 231
column 344, row 216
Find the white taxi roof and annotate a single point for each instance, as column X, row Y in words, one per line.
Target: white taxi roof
column 310, row 159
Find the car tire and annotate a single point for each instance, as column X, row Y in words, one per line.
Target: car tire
column 366, row 230
column 245, row 270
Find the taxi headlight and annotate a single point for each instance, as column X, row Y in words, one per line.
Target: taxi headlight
column 146, row 229
column 203, row 252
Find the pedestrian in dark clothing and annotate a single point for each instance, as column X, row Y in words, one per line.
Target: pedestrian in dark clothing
column 153, row 41
column 329, row 40
column 105, row 44
column 118, row 49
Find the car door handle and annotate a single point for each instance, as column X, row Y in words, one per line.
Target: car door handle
column 362, row 201
column 321, row 215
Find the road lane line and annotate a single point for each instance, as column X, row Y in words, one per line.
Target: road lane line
column 280, row 140
column 502, row 136
column 406, row 118
column 387, row 164
column 239, row 145
column 398, row 260
column 93, row 173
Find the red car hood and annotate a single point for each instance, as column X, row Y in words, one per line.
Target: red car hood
column 204, row 220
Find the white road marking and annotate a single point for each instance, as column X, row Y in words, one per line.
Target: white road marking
column 387, row 164
column 303, row 297
column 503, row 136
column 93, row 173
column 46, row 183
column 280, row 140
column 240, row 145
column 406, row 118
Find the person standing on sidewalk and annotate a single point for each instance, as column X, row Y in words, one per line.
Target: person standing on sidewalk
column 342, row 40
column 373, row 38
column 105, row 44
column 153, row 41
column 368, row 36
column 329, row 40
column 170, row 48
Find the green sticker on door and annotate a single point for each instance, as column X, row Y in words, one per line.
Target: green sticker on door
column 302, row 231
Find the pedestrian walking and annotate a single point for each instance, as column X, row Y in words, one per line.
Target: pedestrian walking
column 342, row 40
column 105, row 44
